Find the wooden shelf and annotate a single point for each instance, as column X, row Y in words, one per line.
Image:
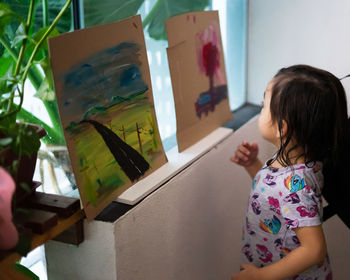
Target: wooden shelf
column 10, row 258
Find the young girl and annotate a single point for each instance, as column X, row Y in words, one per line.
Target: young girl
column 305, row 116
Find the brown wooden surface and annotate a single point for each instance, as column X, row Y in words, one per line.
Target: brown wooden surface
column 62, row 205
column 73, row 235
column 38, row 239
column 40, row 221
column 10, row 273
column 53, row 216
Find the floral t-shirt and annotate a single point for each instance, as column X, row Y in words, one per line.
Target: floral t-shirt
column 280, row 200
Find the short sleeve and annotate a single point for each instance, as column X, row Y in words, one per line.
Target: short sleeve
column 302, row 207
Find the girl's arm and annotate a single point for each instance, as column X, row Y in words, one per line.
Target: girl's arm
column 312, row 251
column 254, row 167
column 246, row 155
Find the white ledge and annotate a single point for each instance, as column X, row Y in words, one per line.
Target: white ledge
column 176, row 163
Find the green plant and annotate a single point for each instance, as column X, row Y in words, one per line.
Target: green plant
column 23, row 51
column 99, row 12
column 25, row 55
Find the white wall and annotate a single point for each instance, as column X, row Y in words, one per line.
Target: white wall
column 285, row 32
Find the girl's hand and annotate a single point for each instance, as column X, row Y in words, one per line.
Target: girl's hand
column 249, row 272
column 246, row 154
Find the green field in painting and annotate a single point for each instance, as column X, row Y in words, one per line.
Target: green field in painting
column 99, row 172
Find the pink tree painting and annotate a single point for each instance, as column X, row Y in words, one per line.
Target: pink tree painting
column 208, row 53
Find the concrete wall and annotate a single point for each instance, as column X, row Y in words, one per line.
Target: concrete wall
column 190, row 228
column 284, row 32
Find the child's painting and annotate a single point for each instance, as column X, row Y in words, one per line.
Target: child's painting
column 105, row 100
column 198, row 76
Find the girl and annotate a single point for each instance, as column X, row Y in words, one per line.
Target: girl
column 305, row 116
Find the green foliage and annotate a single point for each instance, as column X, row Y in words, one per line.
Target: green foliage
column 24, row 242
column 45, row 91
column 5, row 64
column 25, row 55
column 25, row 271
column 100, row 12
column 164, row 9
column 54, row 7
column 4, row 142
column 25, row 187
column 22, row 139
column 5, row 16
column 23, row 48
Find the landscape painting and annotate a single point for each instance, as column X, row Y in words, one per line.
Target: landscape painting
column 197, row 68
column 105, row 100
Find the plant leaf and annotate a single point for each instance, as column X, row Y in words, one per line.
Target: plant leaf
column 23, row 244
column 107, row 11
column 6, row 64
column 45, row 92
column 5, row 141
column 30, row 141
column 25, row 187
column 20, row 7
column 27, row 141
column 25, row 271
column 54, row 7
column 4, row 10
column 164, row 9
column 46, row 66
column 5, row 16
column 43, row 50
column 15, row 164
column 19, row 36
column 37, row 36
column 7, row 82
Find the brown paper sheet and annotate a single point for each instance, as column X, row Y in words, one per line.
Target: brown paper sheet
column 197, row 69
column 104, row 94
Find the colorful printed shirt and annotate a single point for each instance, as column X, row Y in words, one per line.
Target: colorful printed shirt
column 280, row 200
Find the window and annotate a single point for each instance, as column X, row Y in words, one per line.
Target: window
column 233, row 29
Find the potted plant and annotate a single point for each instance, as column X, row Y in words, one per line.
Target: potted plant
column 24, row 28
column 19, row 141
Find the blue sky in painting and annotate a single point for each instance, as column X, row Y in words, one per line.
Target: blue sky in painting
column 99, row 80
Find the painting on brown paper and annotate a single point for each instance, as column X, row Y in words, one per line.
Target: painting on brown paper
column 104, row 94
column 197, row 68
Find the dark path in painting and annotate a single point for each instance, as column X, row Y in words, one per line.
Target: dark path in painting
column 131, row 161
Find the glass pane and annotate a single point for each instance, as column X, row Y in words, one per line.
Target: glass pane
column 233, row 29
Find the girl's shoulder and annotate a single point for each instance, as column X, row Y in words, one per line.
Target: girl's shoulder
column 294, row 177
column 300, row 168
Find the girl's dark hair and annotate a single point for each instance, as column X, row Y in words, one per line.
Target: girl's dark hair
column 313, row 104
